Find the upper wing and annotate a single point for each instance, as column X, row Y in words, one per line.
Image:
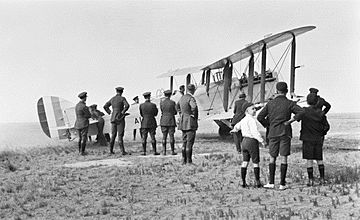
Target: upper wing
column 257, row 47
column 182, row 71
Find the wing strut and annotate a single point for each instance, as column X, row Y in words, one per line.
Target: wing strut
column 227, row 83
column 292, row 66
column 171, row 83
column 263, row 69
column 251, row 77
column 208, row 71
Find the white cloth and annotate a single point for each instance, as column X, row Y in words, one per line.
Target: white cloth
column 249, row 128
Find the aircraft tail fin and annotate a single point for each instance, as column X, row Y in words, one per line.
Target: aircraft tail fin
column 53, row 118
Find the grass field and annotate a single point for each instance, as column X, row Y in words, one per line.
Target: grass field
column 35, row 184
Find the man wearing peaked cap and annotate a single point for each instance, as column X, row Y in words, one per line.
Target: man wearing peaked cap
column 119, row 106
column 239, row 113
column 82, row 95
column 82, row 121
column 313, row 90
column 321, row 101
column 188, row 122
column 148, row 111
column 276, row 115
column 120, row 89
column 98, row 115
column 167, row 121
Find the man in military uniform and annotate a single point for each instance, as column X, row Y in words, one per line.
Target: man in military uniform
column 98, row 115
column 119, row 106
column 182, row 89
column 82, row 121
column 239, row 114
column 277, row 116
column 148, row 111
column 188, row 122
column 321, row 101
column 167, row 121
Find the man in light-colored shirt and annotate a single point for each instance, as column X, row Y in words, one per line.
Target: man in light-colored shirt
column 250, row 142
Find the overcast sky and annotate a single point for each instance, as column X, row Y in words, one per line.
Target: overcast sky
column 62, row 48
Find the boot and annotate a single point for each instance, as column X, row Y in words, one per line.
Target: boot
column 112, row 147
column 79, row 147
column 144, row 149
column 121, row 144
column 189, row 156
column 154, row 149
column 172, row 144
column 184, row 156
column 164, row 148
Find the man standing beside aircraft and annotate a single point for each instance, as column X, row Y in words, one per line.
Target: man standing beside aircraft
column 98, row 115
column 82, row 121
column 277, row 115
column 239, row 113
column 321, row 101
column 119, row 106
column 188, row 122
column 167, row 121
column 148, row 111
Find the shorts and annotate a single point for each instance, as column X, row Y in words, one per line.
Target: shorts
column 250, row 149
column 279, row 145
column 168, row 130
column 312, row 150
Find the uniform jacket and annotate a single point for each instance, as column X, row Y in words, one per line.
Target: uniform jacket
column 321, row 102
column 239, row 113
column 278, row 111
column 188, row 111
column 82, row 115
column 168, row 112
column 119, row 106
column 148, row 111
column 312, row 124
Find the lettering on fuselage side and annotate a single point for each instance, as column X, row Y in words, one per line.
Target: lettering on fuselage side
column 138, row 120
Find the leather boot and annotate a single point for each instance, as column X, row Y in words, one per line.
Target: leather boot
column 154, row 149
column 164, row 147
column 122, row 148
column 189, row 156
column 144, row 149
column 172, row 144
column 184, row 156
column 79, row 147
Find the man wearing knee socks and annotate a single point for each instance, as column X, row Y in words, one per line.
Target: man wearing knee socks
column 276, row 115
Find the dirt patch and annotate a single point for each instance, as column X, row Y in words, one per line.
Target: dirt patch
column 39, row 184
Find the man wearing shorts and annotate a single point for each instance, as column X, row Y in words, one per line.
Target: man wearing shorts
column 312, row 134
column 250, row 142
column 277, row 116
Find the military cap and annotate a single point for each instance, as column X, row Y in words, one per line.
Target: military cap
column 191, row 87
column 182, row 87
column 313, row 90
column 312, row 99
column 82, row 95
column 120, row 89
column 136, row 97
column 281, row 86
column 147, row 94
column 242, row 95
column 246, row 105
column 93, row 106
column 167, row 92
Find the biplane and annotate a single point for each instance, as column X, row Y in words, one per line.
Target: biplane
column 217, row 89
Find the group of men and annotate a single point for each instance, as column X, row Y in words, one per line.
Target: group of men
column 276, row 118
column 186, row 107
